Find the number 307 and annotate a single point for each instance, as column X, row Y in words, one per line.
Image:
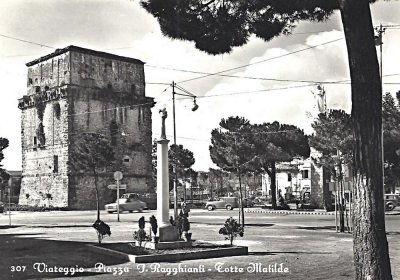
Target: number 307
column 18, row 268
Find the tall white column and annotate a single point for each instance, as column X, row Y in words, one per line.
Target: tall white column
column 167, row 232
column 162, row 183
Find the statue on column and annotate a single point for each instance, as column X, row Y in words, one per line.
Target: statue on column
column 164, row 115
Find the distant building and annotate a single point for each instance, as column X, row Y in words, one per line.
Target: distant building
column 301, row 179
column 70, row 92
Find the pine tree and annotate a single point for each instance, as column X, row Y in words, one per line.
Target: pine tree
column 216, row 26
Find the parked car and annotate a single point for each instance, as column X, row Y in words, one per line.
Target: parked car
column 227, row 203
column 149, row 198
column 248, row 202
column 127, row 203
column 391, row 201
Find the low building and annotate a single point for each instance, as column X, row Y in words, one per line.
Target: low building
column 302, row 180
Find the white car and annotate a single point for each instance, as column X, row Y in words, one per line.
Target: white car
column 126, row 204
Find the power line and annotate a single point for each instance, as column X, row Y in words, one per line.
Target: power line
column 117, row 48
column 253, row 91
column 236, row 76
column 262, row 61
column 26, row 41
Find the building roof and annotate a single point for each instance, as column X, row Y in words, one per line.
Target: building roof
column 14, row 173
column 86, row 51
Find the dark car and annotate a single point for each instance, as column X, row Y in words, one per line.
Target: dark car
column 391, row 201
column 149, row 198
column 248, row 202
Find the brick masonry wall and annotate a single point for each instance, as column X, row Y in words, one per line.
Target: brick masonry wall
column 104, row 73
column 49, row 74
column 132, row 151
column 82, row 192
column 40, row 184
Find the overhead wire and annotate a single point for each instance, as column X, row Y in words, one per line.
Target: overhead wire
column 116, row 48
column 261, row 61
column 26, row 41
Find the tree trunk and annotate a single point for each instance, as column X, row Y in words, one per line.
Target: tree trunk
column 341, row 201
column 97, row 195
column 371, row 253
column 325, row 189
column 272, row 175
column 241, row 214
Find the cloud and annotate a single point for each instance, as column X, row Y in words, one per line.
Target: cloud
column 267, row 101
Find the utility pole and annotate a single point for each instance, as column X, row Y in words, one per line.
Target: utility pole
column 175, row 169
column 194, row 108
column 9, row 204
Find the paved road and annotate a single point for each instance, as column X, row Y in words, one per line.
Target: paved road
column 306, row 244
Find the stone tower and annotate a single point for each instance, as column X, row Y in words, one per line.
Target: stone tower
column 70, row 92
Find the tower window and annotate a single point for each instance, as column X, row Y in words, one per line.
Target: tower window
column 55, row 164
column 289, row 177
column 57, row 110
column 34, row 141
column 113, row 132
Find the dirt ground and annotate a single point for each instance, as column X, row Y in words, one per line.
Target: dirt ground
column 280, row 247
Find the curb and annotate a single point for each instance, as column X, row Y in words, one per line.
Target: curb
column 290, row 212
column 206, row 254
column 392, row 213
column 303, row 212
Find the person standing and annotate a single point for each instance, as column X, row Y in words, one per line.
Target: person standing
column 184, row 208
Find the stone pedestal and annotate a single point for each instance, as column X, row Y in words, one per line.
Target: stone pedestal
column 168, row 233
column 166, row 245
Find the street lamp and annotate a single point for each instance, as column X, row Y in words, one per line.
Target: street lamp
column 194, row 108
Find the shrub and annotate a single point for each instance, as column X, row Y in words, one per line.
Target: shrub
column 154, row 225
column 142, row 222
column 102, row 229
column 232, row 229
column 140, row 235
column 20, row 207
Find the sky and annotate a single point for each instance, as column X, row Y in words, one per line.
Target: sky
column 315, row 52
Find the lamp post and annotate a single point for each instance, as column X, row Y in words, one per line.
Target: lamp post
column 194, row 108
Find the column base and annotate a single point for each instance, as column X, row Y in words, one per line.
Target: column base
column 168, row 233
